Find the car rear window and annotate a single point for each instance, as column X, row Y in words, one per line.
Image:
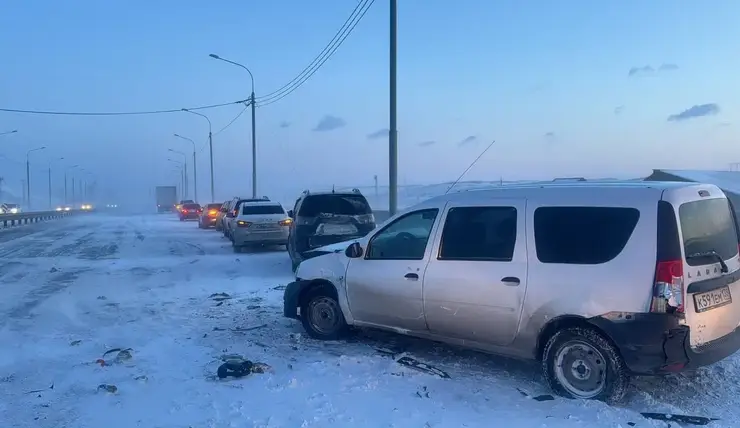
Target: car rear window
column 707, row 226
column 262, row 209
column 191, row 206
column 582, row 235
column 214, row 206
column 314, row 205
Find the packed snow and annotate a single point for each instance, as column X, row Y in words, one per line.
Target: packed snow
column 170, row 301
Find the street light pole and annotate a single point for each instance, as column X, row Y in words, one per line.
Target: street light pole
column 69, row 168
column 28, row 174
column 393, row 125
column 50, row 162
column 254, row 123
column 185, row 162
column 195, row 167
column 210, row 146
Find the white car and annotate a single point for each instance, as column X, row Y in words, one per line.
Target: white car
column 260, row 223
column 596, row 281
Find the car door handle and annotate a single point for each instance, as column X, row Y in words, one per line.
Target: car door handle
column 413, row 276
column 511, row 281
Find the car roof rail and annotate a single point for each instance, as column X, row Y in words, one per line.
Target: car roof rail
column 306, row 192
column 355, row 190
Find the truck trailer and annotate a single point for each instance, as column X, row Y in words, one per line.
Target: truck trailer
column 166, row 198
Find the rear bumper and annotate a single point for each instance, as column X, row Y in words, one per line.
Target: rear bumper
column 243, row 237
column 654, row 344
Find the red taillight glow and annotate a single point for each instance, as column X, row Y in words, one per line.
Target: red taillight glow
column 212, row 213
column 668, row 289
column 184, row 211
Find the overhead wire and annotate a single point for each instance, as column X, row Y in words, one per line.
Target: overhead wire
column 349, row 25
column 118, row 113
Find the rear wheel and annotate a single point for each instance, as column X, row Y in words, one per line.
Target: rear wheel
column 321, row 315
column 579, row 362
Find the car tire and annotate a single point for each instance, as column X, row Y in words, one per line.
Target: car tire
column 580, row 363
column 182, row 219
column 322, row 316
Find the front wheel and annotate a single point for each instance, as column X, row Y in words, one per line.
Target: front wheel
column 321, row 315
column 579, row 362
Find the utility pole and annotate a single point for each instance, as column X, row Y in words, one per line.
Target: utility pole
column 73, row 190
column 28, row 184
column 254, row 125
column 23, row 183
column 393, row 128
column 49, row 186
column 375, row 177
column 195, row 178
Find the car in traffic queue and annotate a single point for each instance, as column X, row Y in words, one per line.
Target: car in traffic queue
column 219, row 224
column 9, row 208
column 182, row 203
column 260, row 223
column 323, row 218
column 597, row 281
column 65, row 207
column 190, row 211
column 233, row 211
column 86, row 207
column 209, row 215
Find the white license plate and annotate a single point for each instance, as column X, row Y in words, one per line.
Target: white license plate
column 339, row 229
column 265, row 226
column 712, row 299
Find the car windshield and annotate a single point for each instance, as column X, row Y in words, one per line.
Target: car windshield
column 191, row 206
column 214, row 206
column 248, row 209
column 337, row 204
column 11, row 205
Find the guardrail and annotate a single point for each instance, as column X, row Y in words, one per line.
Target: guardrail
column 9, row 220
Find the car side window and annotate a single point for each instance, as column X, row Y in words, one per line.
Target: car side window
column 404, row 239
column 479, row 233
column 582, row 235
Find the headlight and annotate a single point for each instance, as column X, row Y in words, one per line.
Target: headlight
column 59, row 208
column 67, row 208
column 14, row 210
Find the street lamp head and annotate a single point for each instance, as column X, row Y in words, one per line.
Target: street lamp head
column 177, row 135
column 42, row 147
column 13, row 131
column 170, row 150
column 185, row 109
column 214, row 56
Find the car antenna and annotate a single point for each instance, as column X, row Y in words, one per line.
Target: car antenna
column 469, row 166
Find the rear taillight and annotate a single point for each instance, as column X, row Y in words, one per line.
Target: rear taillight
column 366, row 219
column 212, row 213
column 668, row 288
column 286, row 222
column 242, row 223
column 184, row 211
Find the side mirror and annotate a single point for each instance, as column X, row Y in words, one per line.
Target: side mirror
column 354, row 251
column 290, row 213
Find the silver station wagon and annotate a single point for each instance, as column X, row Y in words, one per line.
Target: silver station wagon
column 598, row 281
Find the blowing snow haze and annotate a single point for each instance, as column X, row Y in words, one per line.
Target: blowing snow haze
column 118, row 106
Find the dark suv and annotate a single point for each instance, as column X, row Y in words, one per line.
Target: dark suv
column 323, row 218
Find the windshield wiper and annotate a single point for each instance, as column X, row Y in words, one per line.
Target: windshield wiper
column 713, row 254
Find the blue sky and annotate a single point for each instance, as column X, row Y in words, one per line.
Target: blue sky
column 549, row 81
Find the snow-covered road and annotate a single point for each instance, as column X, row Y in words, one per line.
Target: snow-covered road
column 76, row 288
